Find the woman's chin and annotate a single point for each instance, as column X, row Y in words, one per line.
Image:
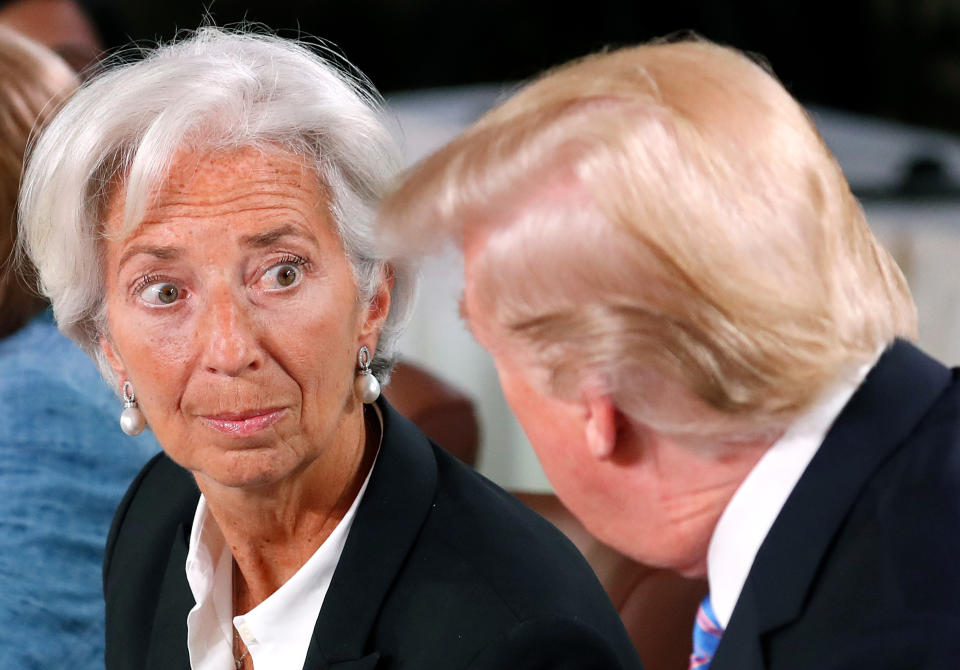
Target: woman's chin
column 250, row 468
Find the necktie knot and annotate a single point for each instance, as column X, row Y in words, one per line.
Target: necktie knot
column 706, row 636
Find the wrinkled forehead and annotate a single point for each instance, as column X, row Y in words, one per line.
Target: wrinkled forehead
column 211, row 179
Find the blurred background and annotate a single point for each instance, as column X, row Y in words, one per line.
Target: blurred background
column 880, row 77
column 893, row 58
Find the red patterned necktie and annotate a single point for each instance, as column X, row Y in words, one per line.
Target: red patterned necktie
column 706, row 636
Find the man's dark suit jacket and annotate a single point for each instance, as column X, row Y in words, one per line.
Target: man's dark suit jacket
column 860, row 569
column 441, row 570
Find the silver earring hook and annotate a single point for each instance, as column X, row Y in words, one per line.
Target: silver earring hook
column 129, row 397
column 363, row 359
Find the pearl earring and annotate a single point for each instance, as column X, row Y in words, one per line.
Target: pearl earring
column 132, row 421
column 365, row 385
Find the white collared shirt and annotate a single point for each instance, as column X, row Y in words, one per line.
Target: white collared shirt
column 755, row 505
column 277, row 632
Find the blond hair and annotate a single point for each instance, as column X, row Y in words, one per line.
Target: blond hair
column 665, row 209
column 33, row 82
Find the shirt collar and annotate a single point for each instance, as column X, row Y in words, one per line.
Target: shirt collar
column 755, row 505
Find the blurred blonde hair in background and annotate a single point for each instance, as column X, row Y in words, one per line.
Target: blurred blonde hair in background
column 33, row 83
column 666, row 212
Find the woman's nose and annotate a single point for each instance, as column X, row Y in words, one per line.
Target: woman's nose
column 230, row 341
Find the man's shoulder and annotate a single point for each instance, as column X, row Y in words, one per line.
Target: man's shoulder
column 908, row 510
column 886, row 582
column 900, row 473
column 913, row 488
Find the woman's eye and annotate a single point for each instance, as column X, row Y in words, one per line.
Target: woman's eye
column 161, row 293
column 281, row 276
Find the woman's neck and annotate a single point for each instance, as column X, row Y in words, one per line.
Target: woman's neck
column 273, row 530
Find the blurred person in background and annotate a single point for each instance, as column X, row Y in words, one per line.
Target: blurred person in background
column 710, row 352
column 70, row 28
column 64, row 463
column 202, row 222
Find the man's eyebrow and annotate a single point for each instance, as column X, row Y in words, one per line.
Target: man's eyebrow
column 163, row 253
column 462, row 309
column 269, row 237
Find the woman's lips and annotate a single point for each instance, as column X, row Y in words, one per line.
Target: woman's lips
column 243, row 424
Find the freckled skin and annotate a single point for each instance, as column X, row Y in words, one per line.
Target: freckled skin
column 236, row 339
column 658, row 497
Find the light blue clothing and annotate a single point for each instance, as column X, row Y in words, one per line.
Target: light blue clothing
column 64, row 466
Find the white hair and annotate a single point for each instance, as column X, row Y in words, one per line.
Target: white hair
column 218, row 90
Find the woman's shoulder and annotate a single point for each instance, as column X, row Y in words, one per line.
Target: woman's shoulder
column 514, row 551
column 147, row 539
column 162, row 497
column 471, row 524
column 494, row 579
column 162, row 493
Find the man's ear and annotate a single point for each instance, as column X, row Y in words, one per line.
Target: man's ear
column 600, row 427
column 379, row 306
column 119, row 370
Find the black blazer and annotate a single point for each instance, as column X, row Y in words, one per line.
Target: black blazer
column 860, row 569
column 442, row 569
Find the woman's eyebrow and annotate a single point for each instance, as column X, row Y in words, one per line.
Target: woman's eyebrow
column 164, row 253
column 269, row 237
column 258, row 240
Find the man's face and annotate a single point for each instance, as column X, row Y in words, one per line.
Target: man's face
column 657, row 497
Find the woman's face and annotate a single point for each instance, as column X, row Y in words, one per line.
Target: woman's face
column 233, row 312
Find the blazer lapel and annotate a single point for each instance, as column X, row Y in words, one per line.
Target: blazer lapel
column 168, row 640
column 394, row 507
column 893, row 398
column 740, row 645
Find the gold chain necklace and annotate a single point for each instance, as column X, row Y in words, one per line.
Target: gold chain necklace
column 238, row 662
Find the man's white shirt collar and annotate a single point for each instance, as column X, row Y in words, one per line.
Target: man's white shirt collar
column 277, row 632
column 755, row 505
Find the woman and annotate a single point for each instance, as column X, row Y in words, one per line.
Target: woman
column 202, row 223
column 64, row 463
column 710, row 352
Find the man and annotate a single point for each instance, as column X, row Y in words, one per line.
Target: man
column 709, row 351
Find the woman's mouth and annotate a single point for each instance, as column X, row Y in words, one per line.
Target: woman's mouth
column 245, row 423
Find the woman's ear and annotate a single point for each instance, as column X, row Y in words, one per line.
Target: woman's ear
column 379, row 306
column 106, row 346
column 600, row 427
